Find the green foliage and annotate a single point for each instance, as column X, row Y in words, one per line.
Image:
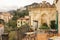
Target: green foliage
column 15, row 17
column 12, row 23
column 16, row 14
column 23, row 13
column 44, row 26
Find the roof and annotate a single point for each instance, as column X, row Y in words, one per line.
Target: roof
column 44, row 4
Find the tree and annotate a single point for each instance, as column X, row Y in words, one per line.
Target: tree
column 19, row 14
column 16, row 15
column 12, row 23
column 23, row 13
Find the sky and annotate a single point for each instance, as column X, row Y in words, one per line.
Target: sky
column 6, row 5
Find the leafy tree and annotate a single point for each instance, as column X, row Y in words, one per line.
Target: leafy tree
column 23, row 13
column 12, row 23
column 15, row 17
column 17, row 14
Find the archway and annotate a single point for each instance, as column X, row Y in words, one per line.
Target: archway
column 45, row 22
column 43, row 18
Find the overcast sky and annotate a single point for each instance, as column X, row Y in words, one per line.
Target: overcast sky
column 14, row 4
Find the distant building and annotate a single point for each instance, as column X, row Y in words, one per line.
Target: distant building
column 41, row 13
column 6, row 16
column 22, row 21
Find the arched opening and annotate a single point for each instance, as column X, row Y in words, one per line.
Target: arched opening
column 53, row 24
column 43, row 18
column 44, row 21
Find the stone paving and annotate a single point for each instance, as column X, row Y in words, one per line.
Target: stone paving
column 42, row 36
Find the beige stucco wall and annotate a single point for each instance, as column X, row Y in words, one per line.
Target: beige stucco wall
column 36, row 14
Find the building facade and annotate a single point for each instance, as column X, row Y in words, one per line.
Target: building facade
column 41, row 13
column 6, row 16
